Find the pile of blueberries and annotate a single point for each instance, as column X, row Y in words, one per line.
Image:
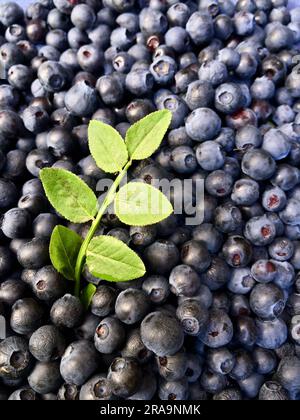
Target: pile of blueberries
column 218, row 314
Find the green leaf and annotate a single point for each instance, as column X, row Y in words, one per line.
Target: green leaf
column 64, row 248
column 87, row 294
column 69, row 195
column 107, row 147
column 139, row 204
column 145, row 136
column 112, row 260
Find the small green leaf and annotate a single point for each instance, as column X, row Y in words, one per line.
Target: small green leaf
column 112, row 260
column 69, row 195
column 107, row 147
column 144, row 137
column 64, row 248
column 87, row 294
column 139, row 204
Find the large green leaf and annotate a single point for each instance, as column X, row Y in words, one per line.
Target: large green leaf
column 144, row 137
column 107, row 147
column 112, row 260
column 69, row 195
column 140, row 204
column 64, row 248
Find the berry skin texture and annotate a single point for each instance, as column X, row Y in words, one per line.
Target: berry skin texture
column 67, row 312
column 79, row 362
column 15, row 358
column 155, row 337
column 203, row 124
column 47, row 344
column 219, row 330
column 125, row 376
column 109, row 335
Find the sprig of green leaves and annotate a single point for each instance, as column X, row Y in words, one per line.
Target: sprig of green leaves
column 136, row 204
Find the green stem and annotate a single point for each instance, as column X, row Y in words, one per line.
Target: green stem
column 107, row 201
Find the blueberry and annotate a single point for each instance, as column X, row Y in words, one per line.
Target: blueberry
column 287, row 374
column 217, row 275
column 264, row 271
column 48, row 284
column 44, row 224
column 210, row 155
column 237, row 251
column 147, row 388
column 184, row 280
column 220, row 360
column 23, row 394
column 139, row 82
column 178, row 14
column 245, row 192
column 267, row 301
column 47, row 344
column 173, row 390
column 79, row 362
column 274, row 199
column 98, row 388
column 68, row 392
column 228, row 218
column 88, row 99
column 226, row 141
column 152, row 21
column 131, row 306
column 286, row 177
column 154, row 334
column 34, row 254
column 277, row 144
column 15, row 358
column 212, row 382
column 125, row 376
column 215, row 72
column 67, row 311
column 172, row 368
column 258, row 164
column 192, row 316
column 281, row 249
column 178, row 107
column 83, row 16
column 228, row 56
column 260, row 231
column 200, row 28
column 285, row 274
column 183, row 160
column 45, row 377
column 228, row 394
column 162, row 256
column 12, row 290
column 219, row 331
column 271, row 334
column 208, row 234
column 195, row 254
column 11, row 13
column 200, row 94
column 11, row 124
column 109, row 335
column 219, row 183
column 8, row 193
column 26, row 316
column 135, row 348
column 103, row 301
column 229, row 98
column 272, row 391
